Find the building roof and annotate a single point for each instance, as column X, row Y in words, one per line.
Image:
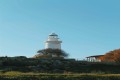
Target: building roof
column 53, row 34
column 95, row 56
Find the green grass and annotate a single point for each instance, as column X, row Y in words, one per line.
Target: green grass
column 45, row 76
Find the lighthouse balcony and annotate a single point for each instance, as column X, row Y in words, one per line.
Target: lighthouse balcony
column 53, row 42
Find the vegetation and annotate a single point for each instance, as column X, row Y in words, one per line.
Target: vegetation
column 112, row 56
column 49, row 53
column 55, row 65
column 45, row 76
column 48, row 67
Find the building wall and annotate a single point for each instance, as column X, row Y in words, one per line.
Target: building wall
column 93, row 59
column 53, row 45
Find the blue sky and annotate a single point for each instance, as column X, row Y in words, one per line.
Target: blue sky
column 86, row 27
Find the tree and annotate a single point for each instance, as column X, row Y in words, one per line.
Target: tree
column 112, row 56
column 49, row 53
column 117, row 56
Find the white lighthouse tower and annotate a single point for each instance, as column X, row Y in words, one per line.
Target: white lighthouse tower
column 53, row 42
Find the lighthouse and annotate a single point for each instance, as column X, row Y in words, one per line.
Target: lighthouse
column 53, row 42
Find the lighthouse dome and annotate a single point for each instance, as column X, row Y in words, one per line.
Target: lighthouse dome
column 53, row 34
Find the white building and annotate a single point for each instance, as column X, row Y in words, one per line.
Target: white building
column 53, row 42
column 96, row 58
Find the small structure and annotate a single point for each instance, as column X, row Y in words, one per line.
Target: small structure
column 53, row 42
column 96, row 58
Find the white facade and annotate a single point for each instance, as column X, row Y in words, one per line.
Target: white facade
column 93, row 59
column 53, row 42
